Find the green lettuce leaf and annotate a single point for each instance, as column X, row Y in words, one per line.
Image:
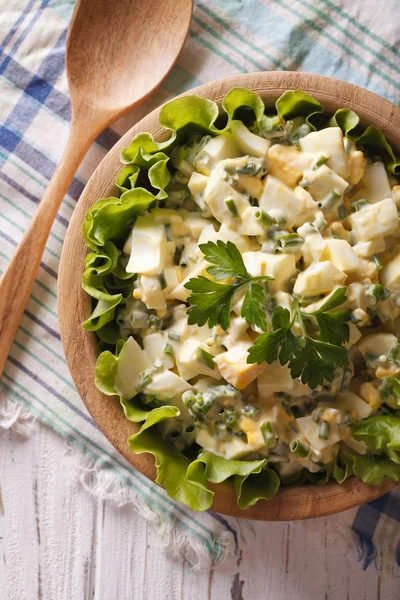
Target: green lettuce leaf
column 375, row 144
column 374, row 470
column 381, row 434
column 346, row 119
column 238, row 101
column 106, row 372
column 297, row 103
column 252, row 480
column 262, row 486
column 171, row 464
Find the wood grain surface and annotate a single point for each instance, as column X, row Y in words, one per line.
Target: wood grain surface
column 75, row 306
column 59, row 543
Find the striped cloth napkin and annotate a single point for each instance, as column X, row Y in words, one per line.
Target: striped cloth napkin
column 351, row 41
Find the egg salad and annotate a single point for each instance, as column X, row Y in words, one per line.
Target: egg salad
column 255, row 296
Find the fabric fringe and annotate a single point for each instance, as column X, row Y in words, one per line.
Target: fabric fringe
column 103, row 483
column 14, row 417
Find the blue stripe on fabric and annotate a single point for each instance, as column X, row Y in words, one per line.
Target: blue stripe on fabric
column 23, row 36
column 57, row 102
column 398, row 554
column 51, row 390
column 28, row 195
column 42, row 324
column 42, row 164
column 392, row 507
column 291, row 40
column 364, row 525
column 45, row 267
column 16, row 25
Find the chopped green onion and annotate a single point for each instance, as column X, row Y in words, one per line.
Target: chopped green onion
column 267, row 432
column 250, row 169
column 377, row 262
column 356, row 206
column 346, row 378
column 321, row 161
column 317, row 413
column 144, row 380
column 289, row 243
column 174, row 336
column 330, row 200
column 188, row 398
column 232, row 207
column 242, row 435
column 271, row 303
column 163, row 281
column 379, row 292
column 319, row 223
column 155, row 322
column 189, row 433
column 342, row 212
column 168, row 349
column 168, row 232
column 394, row 353
column 250, row 410
column 264, row 218
column 205, row 357
column 299, row 448
column 323, row 431
column 230, row 420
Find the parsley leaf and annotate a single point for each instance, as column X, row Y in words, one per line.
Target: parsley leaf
column 277, row 343
column 253, row 307
column 312, row 360
column 227, row 260
column 211, row 301
column 317, row 362
column 333, row 327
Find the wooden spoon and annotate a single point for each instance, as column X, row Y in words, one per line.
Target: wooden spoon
column 118, row 52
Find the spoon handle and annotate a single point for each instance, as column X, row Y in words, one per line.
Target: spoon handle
column 17, row 281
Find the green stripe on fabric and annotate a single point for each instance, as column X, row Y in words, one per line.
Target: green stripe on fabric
column 236, row 34
column 361, row 27
column 45, row 346
column 45, row 365
column 152, row 488
column 326, row 35
column 29, row 174
column 44, row 306
column 22, row 230
column 216, row 51
column 36, row 280
column 357, row 41
column 27, row 215
column 98, row 457
column 221, row 39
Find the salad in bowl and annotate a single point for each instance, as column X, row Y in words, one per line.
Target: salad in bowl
column 245, row 280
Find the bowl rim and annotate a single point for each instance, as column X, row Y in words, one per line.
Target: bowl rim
column 291, row 503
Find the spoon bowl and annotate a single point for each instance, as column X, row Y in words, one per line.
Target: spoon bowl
column 118, row 52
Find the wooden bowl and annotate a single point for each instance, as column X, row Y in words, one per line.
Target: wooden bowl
column 74, row 305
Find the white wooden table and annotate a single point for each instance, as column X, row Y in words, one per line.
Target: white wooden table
column 58, row 543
